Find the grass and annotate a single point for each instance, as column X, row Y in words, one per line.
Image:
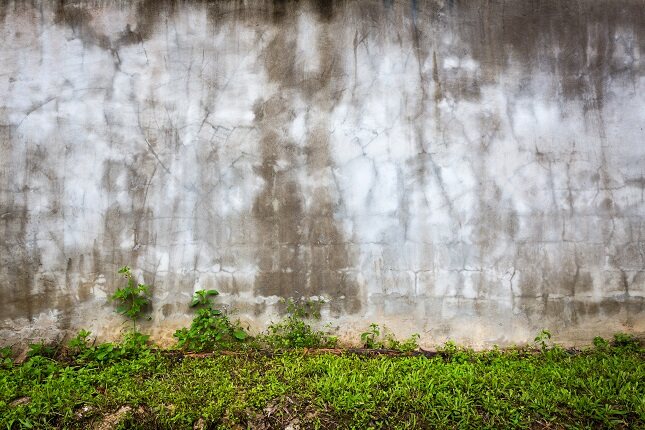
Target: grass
column 602, row 387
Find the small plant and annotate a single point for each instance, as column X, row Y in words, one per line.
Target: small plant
column 542, row 340
column 40, row 350
column 626, row 342
column 103, row 353
column 304, row 308
column 135, row 341
column 80, row 343
column 449, row 347
column 202, row 298
column 210, row 329
column 134, row 345
column 5, row 357
column 373, row 339
column 295, row 332
column 455, row 353
column 132, row 298
column 408, row 345
column 600, row 343
column 370, row 338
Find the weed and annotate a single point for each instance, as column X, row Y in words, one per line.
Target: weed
column 626, row 341
column 40, row 349
column 370, row 338
column 373, row 339
column 449, row 347
column 600, row 343
column 295, row 332
column 83, row 351
column 132, row 298
column 5, row 357
column 102, row 353
column 457, row 354
column 542, row 340
column 304, row 308
column 202, row 298
column 210, row 329
column 135, row 341
column 80, row 343
column 408, row 345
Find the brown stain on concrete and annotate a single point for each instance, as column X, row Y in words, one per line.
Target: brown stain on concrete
column 302, row 250
column 573, row 40
column 278, row 209
column 28, row 290
column 495, row 32
column 78, row 17
column 19, row 265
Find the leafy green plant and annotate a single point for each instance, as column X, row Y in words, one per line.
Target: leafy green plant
column 600, row 343
column 134, row 345
column 295, row 332
column 408, row 345
column 210, row 329
column 135, row 341
column 304, row 308
column 370, row 338
column 449, row 347
column 82, row 349
column 40, row 349
column 132, row 298
column 626, row 341
column 202, row 298
column 456, row 353
column 80, row 343
column 375, row 338
column 542, row 340
column 103, row 353
column 5, row 357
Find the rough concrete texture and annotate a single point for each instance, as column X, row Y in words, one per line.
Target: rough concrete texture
column 464, row 169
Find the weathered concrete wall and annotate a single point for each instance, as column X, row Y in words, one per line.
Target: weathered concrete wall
column 465, row 169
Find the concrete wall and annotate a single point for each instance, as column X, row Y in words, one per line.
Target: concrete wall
column 465, row 169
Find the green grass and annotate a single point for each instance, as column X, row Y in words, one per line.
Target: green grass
column 599, row 388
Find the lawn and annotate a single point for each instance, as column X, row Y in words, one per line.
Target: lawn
column 600, row 387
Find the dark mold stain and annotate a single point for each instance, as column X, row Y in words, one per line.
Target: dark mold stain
column 302, row 250
column 278, row 209
column 435, row 77
column 573, row 40
column 30, row 289
column 495, row 31
column 150, row 13
column 280, row 9
column 284, row 68
column 169, row 309
column 19, row 262
column 77, row 15
column 3, row 11
column 325, row 9
column 79, row 19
